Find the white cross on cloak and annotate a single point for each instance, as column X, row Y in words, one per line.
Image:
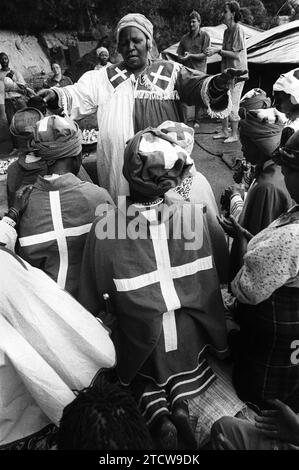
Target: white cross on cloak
column 157, row 75
column 60, row 234
column 165, row 274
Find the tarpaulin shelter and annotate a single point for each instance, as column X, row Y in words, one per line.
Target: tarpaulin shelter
column 272, row 53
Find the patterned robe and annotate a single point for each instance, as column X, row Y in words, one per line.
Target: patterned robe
column 126, row 104
column 165, row 297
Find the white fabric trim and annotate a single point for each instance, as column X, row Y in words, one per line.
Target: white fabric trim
column 210, row 379
column 48, row 236
column 170, row 331
column 61, row 239
column 43, row 124
column 206, row 100
column 201, row 264
column 153, row 403
column 120, row 73
column 156, row 413
column 190, row 380
column 8, row 235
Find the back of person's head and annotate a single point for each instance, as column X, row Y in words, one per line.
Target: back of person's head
column 234, row 7
column 65, row 165
column 253, row 99
column 151, row 173
column 103, row 417
column 23, row 124
column 58, row 141
column 195, row 15
column 39, row 103
column 259, row 139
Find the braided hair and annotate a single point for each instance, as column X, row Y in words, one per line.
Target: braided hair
column 103, row 417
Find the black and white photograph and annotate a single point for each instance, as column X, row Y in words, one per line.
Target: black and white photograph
column 149, row 255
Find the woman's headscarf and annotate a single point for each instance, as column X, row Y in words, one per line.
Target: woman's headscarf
column 101, row 49
column 56, row 137
column 254, row 99
column 289, row 83
column 158, row 159
column 264, row 135
column 138, row 21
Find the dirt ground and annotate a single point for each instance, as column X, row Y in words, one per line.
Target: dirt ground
column 207, row 156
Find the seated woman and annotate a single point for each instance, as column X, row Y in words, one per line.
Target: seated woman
column 267, row 196
column 267, row 288
column 162, row 286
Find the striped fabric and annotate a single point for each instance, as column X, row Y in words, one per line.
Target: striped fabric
column 219, row 400
column 155, row 401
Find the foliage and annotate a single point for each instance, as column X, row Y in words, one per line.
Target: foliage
column 168, row 16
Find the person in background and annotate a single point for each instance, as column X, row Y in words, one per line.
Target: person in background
column 233, row 54
column 267, row 291
column 267, row 197
column 286, row 100
column 57, row 79
column 192, row 53
column 61, row 207
column 136, row 93
column 16, row 91
column 103, row 58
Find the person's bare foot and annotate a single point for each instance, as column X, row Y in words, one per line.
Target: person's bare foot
column 231, row 139
column 221, row 135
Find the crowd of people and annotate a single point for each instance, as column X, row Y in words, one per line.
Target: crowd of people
column 117, row 330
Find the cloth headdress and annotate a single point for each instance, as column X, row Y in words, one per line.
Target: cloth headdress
column 264, row 135
column 289, row 83
column 138, row 21
column 158, row 159
column 56, row 137
column 101, row 49
column 255, row 99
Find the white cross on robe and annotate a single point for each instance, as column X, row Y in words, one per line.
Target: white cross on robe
column 60, row 234
column 165, row 274
column 120, row 73
column 157, row 75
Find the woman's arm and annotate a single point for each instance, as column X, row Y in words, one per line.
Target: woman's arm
column 272, row 259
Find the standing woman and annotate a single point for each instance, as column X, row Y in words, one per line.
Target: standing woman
column 233, row 55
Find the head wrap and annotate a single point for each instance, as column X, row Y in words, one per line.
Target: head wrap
column 255, row 99
column 24, row 121
column 157, row 160
column 56, row 137
column 138, row 21
column 289, row 83
column 264, row 135
column 289, row 153
column 101, row 49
